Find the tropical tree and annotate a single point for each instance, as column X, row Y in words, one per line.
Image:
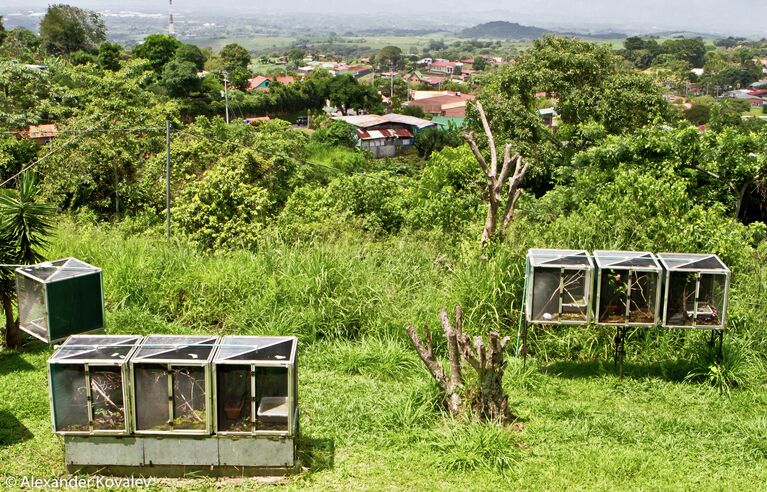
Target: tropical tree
column 347, row 93
column 180, row 78
column 20, row 44
column 23, row 95
column 191, row 53
column 25, row 224
column 109, row 55
column 66, row 29
column 234, row 56
column 159, row 49
column 479, row 64
column 389, row 56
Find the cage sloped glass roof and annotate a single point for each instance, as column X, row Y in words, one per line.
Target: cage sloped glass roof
column 692, row 262
column 96, row 348
column 52, row 271
column 175, row 348
column 626, row 260
column 256, row 349
column 577, row 258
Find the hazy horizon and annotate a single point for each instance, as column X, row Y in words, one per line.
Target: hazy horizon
column 739, row 17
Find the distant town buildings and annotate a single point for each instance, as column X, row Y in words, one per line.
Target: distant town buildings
column 385, row 135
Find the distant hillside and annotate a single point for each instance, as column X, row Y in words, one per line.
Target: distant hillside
column 503, row 30
column 512, row 30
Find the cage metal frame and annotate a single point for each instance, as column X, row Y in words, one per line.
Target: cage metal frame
column 168, row 364
column 559, row 254
column 693, row 258
column 600, row 256
column 87, row 271
column 87, row 363
column 291, row 366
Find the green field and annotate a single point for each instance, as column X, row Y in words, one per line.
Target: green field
column 369, row 418
column 266, row 44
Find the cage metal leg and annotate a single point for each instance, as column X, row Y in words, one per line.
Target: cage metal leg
column 620, row 349
column 720, row 353
column 523, row 345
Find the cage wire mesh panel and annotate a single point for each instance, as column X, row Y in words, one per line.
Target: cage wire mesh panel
column 88, row 384
column 628, row 288
column 255, row 382
column 171, row 384
column 60, row 298
column 559, row 286
column 696, row 291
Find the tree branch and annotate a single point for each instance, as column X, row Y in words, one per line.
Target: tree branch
column 452, row 349
column 506, row 169
column 426, row 353
column 490, row 140
column 469, row 137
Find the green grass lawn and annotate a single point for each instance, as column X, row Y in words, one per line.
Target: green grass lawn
column 368, row 423
column 369, row 415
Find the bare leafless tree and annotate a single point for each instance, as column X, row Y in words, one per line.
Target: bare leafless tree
column 498, row 177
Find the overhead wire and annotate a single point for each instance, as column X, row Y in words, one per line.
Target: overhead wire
column 331, row 168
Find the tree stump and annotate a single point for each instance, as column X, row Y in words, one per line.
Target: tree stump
column 488, row 401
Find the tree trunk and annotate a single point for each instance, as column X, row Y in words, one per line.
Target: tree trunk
column 12, row 335
column 741, row 195
column 491, row 403
column 490, row 222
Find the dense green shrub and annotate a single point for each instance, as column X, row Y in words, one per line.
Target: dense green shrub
column 222, row 210
column 336, row 134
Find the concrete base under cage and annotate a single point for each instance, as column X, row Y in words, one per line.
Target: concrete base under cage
column 176, row 456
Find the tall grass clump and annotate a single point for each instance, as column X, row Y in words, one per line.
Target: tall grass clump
column 342, row 290
column 468, row 447
column 737, row 366
column 371, row 356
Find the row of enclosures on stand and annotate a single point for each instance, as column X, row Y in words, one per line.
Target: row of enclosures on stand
column 626, row 288
column 174, row 384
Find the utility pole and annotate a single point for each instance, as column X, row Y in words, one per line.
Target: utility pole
column 171, row 29
column 167, row 177
column 226, row 95
column 391, row 78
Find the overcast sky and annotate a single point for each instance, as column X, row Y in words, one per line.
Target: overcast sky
column 746, row 17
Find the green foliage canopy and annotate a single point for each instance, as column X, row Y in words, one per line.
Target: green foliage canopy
column 66, row 29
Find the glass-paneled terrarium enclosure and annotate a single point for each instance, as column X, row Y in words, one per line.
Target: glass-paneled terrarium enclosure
column 696, row 290
column 87, row 383
column 559, row 286
column 628, row 288
column 171, row 381
column 60, row 298
column 255, row 385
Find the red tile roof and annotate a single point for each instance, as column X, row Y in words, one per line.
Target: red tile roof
column 255, row 82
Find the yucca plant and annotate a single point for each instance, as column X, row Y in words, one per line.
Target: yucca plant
column 25, row 224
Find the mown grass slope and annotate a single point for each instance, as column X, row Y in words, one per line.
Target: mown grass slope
column 370, row 419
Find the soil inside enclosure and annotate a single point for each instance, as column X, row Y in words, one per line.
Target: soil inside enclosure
column 75, row 428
